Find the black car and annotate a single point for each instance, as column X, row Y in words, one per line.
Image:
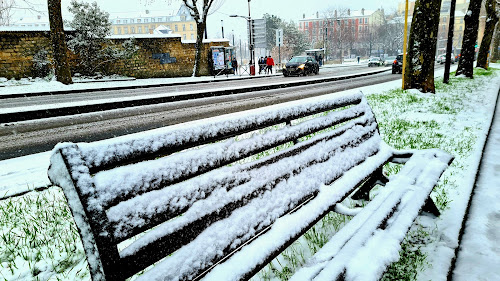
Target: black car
column 301, row 65
column 397, row 64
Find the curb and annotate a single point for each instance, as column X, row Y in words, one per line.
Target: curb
column 76, row 91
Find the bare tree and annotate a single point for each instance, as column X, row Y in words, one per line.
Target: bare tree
column 491, row 21
column 419, row 73
column 5, row 11
column 465, row 64
column 340, row 32
column 60, row 49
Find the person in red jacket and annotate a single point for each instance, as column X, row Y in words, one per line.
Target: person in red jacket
column 270, row 64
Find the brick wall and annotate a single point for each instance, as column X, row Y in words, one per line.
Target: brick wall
column 156, row 57
column 17, row 50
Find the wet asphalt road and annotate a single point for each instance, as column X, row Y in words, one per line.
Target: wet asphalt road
column 28, row 137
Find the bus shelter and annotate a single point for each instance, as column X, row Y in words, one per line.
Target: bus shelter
column 318, row 54
column 220, row 60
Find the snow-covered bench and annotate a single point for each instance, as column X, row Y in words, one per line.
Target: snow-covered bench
column 188, row 199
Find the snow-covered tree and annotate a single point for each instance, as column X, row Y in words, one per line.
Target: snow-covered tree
column 89, row 42
column 294, row 41
column 491, row 22
column 58, row 38
column 419, row 72
column 466, row 62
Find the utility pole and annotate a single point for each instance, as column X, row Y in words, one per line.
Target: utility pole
column 405, row 43
column 222, row 26
column 449, row 45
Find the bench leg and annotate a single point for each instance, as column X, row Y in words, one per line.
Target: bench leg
column 363, row 192
column 430, row 207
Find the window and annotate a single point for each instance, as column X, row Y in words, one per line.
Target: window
column 183, row 27
column 117, row 21
column 176, row 28
column 124, row 21
column 145, row 20
column 192, row 36
column 366, row 21
column 152, row 20
column 184, row 37
column 139, row 30
column 119, row 30
column 125, row 30
column 159, row 19
column 131, row 21
column 132, row 30
column 191, row 26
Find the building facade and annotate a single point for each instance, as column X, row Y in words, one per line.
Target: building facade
column 181, row 23
column 348, row 27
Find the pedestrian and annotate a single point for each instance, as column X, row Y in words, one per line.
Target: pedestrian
column 270, row 64
column 358, row 59
column 234, row 63
column 261, row 64
column 320, row 60
column 264, row 64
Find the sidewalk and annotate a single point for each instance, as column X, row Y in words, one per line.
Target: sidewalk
column 479, row 251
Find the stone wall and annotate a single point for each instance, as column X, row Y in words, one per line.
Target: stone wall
column 17, row 50
column 157, row 56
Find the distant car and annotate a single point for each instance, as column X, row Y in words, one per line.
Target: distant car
column 397, row 64
column 301, row 65
column 389, row 60
column 442, row 58
column 375, row 61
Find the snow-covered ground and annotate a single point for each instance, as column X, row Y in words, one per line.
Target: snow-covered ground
column 456, row 119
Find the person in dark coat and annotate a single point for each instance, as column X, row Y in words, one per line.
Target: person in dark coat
column 234, row 64
column 261, row 64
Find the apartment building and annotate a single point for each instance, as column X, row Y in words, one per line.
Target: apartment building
column 180, row 22
column 357, row 22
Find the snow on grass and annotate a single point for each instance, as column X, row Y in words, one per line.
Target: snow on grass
column 39, row 240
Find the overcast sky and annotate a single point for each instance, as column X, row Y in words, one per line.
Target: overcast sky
column 285, row 9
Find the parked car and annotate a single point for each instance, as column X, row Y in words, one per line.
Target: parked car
column 388, row 60
column 442, row 58
column 375, row 61
column 397, row 64
column 301, row 65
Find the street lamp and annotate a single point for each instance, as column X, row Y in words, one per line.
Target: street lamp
column 222, row 27
column 250, row 45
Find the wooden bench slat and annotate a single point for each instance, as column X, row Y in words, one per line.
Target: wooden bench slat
column 107, row 154
column 151, row 207
column 155, row 174
column 264, row 211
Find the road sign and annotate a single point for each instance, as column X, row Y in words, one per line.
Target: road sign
column 279, row 37
column 259, row 39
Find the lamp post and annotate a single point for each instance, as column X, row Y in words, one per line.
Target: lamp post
column 250, row 45
column 222, row 27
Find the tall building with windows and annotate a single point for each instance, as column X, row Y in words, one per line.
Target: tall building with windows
column 358, row 23
column 181, row 23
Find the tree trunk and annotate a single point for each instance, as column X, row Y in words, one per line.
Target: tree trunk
column 419, row 72
column 199, row 48
column 449, row 44
column 491, row 21
column 60, row 50
column 466, row 62
column 495, row 54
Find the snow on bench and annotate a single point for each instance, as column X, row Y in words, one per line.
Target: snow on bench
column 200, row 204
